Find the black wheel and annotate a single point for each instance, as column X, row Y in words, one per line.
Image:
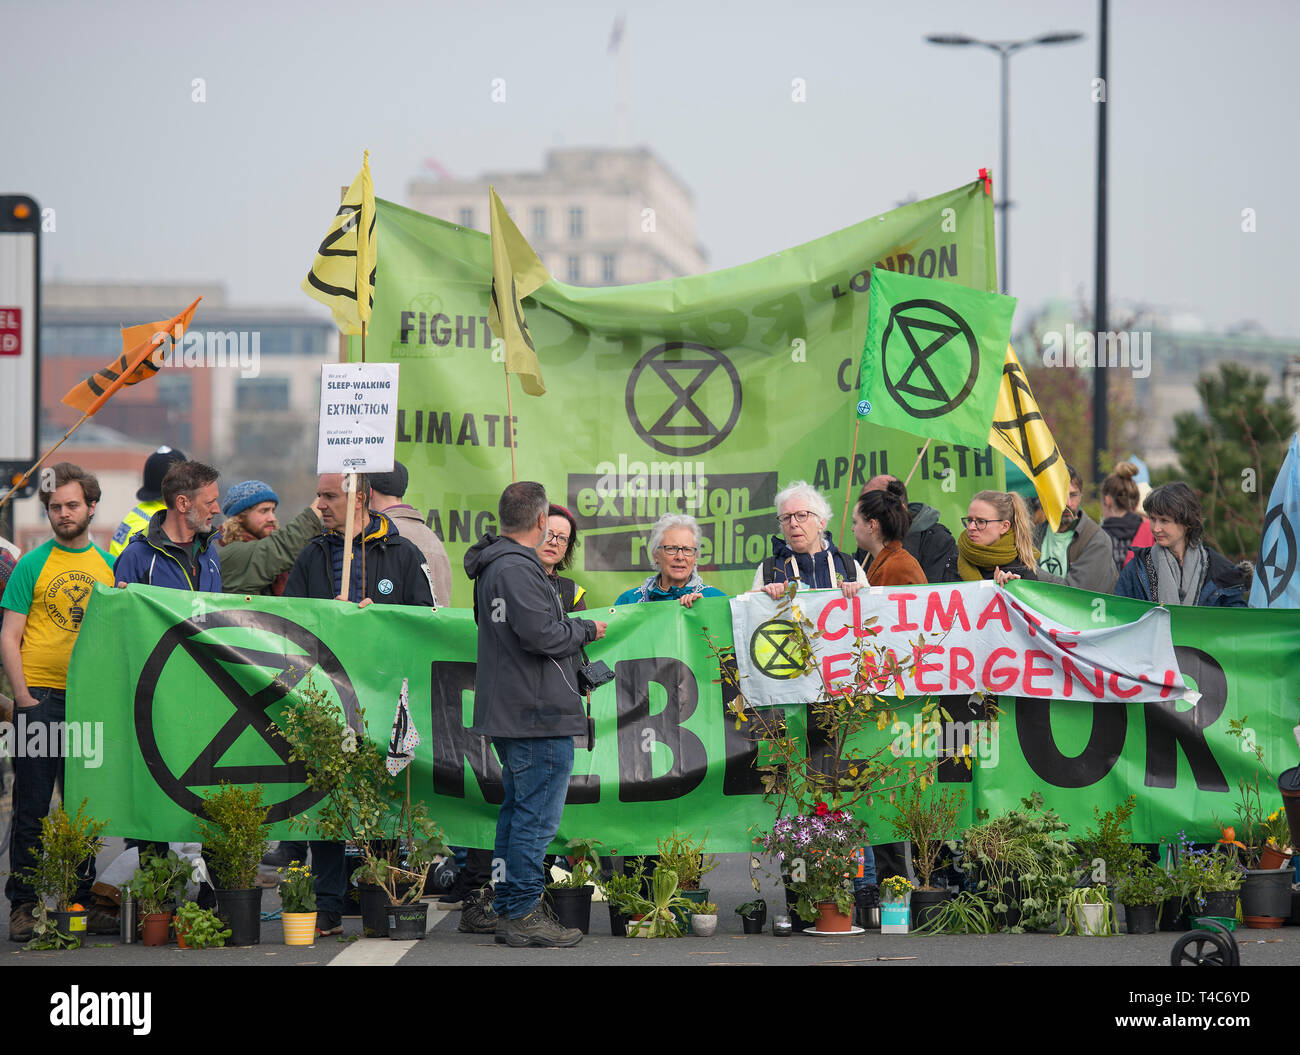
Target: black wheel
column 1218, row 928
column 1201, row 948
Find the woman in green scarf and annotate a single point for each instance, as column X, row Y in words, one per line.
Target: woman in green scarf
column 998, row 541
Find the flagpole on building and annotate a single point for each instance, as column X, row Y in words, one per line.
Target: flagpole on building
column 849, row 490
column 919, row 455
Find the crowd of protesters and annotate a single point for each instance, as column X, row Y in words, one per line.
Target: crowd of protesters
column 1148, row 548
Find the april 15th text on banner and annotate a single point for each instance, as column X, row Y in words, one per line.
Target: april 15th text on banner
column 358, row 418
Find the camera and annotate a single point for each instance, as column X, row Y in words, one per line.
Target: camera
column 592, row 676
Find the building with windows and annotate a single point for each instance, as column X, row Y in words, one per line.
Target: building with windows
column 596, row 217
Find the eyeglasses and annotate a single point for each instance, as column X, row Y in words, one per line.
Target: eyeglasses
column 979, row 524
column 551, row 536
column 673, row 551
column 798, row 516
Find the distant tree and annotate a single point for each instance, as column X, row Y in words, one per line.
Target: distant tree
column 1231, row 453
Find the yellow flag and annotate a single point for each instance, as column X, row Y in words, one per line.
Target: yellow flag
column 342, row 277
column 1020, row 433
column 515, row 267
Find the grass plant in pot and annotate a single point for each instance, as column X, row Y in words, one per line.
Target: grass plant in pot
column 570, row 897
column 363, row 804
column 622, row 891
column 1141, row 889
column 1265, row 892
column 156, row 886
column 926, row 818
column 816, row 791
column 60, row 873
column 234, row 838
column 1088, row 912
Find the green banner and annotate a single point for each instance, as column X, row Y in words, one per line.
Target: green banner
column 701, row 395
column 184, row 687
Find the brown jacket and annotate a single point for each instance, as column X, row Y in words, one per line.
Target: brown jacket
column 894, row 566
column 411, row 526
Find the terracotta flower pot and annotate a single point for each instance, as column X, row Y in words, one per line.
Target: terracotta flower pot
column 1271, row 857
column 831, row 920
column 156, row 928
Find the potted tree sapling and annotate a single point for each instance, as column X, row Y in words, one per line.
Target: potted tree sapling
column 234, row 838
column 927, row 821
column 60, row 873
column 1266, row 891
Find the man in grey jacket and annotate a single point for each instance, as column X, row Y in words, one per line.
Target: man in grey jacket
column 1080, row 554
column 386, row 493
column 526, row 699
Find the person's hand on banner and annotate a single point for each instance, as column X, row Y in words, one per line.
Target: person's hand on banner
column 600, row 628
column 774, row 590
column 691, row 598
column 1003, row 577
column 850, row 589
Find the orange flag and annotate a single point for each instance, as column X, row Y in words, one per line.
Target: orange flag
column 136, row 363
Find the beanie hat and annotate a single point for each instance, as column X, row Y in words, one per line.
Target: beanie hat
column 391, row 483
column 246, row 495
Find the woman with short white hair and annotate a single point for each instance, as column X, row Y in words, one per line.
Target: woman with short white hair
column 804, row 551
column 674, row 548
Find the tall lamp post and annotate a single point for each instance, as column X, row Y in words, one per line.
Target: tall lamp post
column 1005, row 49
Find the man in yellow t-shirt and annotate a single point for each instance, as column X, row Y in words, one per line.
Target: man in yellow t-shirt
column 44, row 603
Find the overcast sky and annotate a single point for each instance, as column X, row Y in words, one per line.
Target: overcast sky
column 148, row 185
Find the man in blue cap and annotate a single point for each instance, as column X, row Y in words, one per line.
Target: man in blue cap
column 256, row 554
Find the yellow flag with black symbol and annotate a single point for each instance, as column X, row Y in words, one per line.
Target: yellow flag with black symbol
column 342, row 277
column 516, row 273
column 1019, row 432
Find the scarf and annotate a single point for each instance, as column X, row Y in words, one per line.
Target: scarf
column 973, row 559
column 650, row 590
column 1178, row 584
column 817, row 570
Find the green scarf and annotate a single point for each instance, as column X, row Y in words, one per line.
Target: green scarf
column 971, row 556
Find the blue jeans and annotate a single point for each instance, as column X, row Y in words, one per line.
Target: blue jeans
column 535, row 775
column 34, row 782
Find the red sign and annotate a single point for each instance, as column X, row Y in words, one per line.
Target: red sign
column 11, row 331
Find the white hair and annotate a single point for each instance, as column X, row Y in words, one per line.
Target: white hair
column 813, row 497
column 666, row 523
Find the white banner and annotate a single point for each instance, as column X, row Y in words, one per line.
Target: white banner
column 964, row 638
column 358, row 418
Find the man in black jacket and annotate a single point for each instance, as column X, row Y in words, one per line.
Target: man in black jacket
column 526, row 699
column 927, row 540
column 387, row 569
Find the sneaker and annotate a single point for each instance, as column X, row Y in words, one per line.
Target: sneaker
column 22, row 922
column 537, row 929
column 477, row 916
column 102, row 921
column 328, row 923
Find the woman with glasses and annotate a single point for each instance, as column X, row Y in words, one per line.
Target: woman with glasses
column 1180, row 568
column 674, row 547
column 556, row 554
column 998, row 541
column 804, row 552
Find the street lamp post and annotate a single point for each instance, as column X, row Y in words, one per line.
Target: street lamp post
column 1005, row 49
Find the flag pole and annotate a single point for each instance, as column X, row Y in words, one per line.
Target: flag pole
column 919, row 455
column 849, row 491
column 28, row 474
column 510, row 417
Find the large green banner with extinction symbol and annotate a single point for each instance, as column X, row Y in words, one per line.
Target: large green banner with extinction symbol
column 186, row 698
column 701, row 395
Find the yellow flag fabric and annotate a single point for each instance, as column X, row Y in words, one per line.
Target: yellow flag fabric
column 1020, row 433
column 136, row 363
column 342, row 277
column 515, row 268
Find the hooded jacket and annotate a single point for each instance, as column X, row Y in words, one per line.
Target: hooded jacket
column 929, row 542
column 1223, row 586
column 526, row 682
column 152, row 558
column 395, row 568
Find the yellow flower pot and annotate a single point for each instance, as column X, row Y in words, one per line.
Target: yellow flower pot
column 299, row 927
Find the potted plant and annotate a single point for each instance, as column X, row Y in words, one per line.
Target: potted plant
column 67, row 843
column 926, row 820
column 704, row 920
column 1265, row 892
column 1141, row 889
column 753, row 916
column 297, row 904
column 966, row 913
column 157, row 884
column 622, row 891
column 995, row 853
column 686, row 857
column 363, row 805
column 817, row 782
column 1088, row 912
column 234, row 838
column 896, row 905
column 1219, row 881
column 570, row 896
column 199, row 928
column 659, row 912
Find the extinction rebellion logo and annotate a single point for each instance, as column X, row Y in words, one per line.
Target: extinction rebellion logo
column 911, row 342
column 777, row 649
column 253, row 681
column 668, row 391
